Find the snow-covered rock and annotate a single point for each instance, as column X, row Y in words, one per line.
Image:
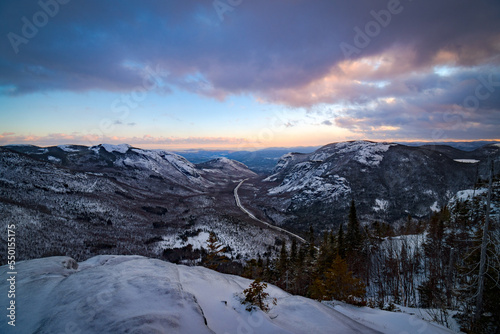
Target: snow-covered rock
column 134, row 294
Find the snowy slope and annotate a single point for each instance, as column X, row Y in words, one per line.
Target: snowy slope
column 133, row 294
column 408, row 321
column 224, row 168
column 84, row 202
column 387, row 181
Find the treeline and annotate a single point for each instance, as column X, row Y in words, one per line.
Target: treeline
column 327, row 268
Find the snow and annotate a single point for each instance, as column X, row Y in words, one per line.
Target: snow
column 122, row 148
column 311, row 178
column 435, row 207
column 414, row 242
column 68, row 148
column 282, row 164
column 366, row 153
column 411, row 322
column 134, row 294
column 467, row 194
column 42, row 150
column 311, row 183
column 7, row 181
column 178, row 162
column 172, row 241
column 466, row 161
column 320, row 157
column 381, row 205
column 53, row 159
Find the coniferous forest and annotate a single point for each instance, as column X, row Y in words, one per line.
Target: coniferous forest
column 433, row 264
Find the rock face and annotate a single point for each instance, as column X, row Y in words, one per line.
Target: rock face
column 387, row 181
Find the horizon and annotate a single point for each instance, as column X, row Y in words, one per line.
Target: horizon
column 245, row 76
column 253, row 149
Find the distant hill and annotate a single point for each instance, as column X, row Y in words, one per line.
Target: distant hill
column 260, row 161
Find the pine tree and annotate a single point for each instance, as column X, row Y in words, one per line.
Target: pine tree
column 312, row 249
column 353, row 236
column 341, row 250
column 325, row 256
column 338, row 283
column 256, row 296
column 215, row 250
column 293, row 252
column 283, row 259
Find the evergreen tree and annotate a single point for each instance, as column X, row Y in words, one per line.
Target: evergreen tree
column 341, row 250
column 312, row 249
column 325, row 256
column 282, row 267
column 338, row 283
column 215, row 252
column 283, row 259
column 293, row 252
column 353, row 237
column 256, row 296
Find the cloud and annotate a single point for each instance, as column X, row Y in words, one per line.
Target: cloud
column 290, row 124
column 258, row 48
column 327, row 122
column 411, row 73
column 119, row 122
column 145, row 141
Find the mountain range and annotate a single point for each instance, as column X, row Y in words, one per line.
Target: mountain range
column 117, row 199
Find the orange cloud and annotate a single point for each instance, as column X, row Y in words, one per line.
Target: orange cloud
column 146, row 141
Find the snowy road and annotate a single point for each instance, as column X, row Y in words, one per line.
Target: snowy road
column 238, row 203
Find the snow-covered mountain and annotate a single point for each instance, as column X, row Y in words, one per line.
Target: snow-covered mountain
column 387, row 181
column 117, row 199
column 134, row 294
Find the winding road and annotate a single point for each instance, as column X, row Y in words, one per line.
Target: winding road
column 251, row 215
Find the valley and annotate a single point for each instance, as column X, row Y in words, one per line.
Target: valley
column 116, row 199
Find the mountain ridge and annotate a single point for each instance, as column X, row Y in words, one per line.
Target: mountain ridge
column 388, row 181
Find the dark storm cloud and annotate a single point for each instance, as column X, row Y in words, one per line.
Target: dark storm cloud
column 260, row 45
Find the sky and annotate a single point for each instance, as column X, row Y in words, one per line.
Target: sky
column 243, row 74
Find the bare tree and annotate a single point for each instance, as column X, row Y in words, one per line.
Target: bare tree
column 484, row 246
